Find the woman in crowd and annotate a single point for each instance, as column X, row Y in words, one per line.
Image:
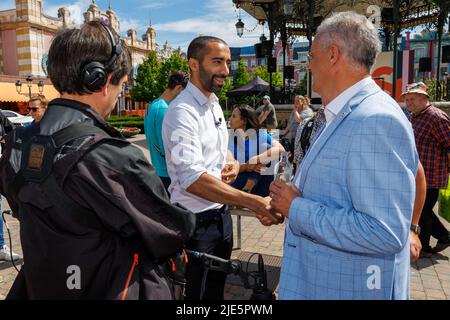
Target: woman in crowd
column 301, row 112
column 306, row 133
column 254, row 149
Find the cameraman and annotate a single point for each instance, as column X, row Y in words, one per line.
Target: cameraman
column 95, row 220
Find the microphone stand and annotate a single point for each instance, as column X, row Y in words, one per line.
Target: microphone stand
column 260, row 290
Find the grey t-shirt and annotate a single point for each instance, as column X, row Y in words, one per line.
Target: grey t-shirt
column 271, row 120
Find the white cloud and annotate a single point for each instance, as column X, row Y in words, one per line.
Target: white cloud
column 76, row 10
column 219, row 21
column 153, row 5
column 126, row 24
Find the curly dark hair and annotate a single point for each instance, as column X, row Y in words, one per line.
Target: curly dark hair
column 72, row 49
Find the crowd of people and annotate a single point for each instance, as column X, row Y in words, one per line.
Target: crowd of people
column 358, row 209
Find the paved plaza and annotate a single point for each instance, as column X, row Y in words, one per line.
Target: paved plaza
column 430, row 277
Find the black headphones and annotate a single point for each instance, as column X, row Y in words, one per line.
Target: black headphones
column 94, row 74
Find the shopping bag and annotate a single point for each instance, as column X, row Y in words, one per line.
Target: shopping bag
column 444, row 203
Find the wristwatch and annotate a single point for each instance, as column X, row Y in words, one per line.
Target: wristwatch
column 415, row 228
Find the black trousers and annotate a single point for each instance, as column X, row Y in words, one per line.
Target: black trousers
column 430, row 224
column 213, row 235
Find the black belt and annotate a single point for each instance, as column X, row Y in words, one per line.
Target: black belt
column 212, row 215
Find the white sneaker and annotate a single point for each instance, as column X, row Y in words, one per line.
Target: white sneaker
column 5, row 254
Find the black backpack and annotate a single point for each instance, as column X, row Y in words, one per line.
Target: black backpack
column 305, row 138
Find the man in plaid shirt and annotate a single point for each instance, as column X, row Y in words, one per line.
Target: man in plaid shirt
column 432, row 133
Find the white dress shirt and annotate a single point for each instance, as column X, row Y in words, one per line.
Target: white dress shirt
column 333, row 108
column 336, row 105
column 195, row 141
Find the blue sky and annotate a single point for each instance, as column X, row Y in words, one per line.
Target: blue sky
column 177, row 21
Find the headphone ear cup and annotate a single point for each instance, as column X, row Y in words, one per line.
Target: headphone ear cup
column 94, row 76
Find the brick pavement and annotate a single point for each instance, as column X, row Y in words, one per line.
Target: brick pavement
column 430, row 277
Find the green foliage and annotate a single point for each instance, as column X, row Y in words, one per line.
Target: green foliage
column 148, row 86
column 153, row 76
column 228, row 85
column 174, row 63
column 116, row 118
column 264, row 74
column 241, row 76
column 302, row 88
column 127, row 121
column 431, row 88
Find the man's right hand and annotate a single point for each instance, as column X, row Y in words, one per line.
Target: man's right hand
column 262, row 209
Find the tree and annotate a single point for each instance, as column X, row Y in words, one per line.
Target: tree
column 241, row 77
column 148, row 86
column 174, row 63
column 263, row 73
column 227, row 86
column 431, row 88
column 302, row 89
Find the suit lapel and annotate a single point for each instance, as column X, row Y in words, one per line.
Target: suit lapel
column 317, row 146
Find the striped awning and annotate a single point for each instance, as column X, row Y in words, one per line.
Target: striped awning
column 8, row 92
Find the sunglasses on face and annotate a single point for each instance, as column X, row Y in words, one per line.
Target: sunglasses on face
column 32, row 109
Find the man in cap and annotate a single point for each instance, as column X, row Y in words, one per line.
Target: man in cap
column 266, row 114
column 432, row 133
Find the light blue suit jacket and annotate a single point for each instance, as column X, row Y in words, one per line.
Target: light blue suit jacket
column 348, row 236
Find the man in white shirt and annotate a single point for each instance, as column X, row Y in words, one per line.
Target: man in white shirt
column 195, row 141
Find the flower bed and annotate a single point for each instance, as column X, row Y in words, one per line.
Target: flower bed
column 129, row 132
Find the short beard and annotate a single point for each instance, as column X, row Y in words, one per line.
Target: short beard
column 207, row 81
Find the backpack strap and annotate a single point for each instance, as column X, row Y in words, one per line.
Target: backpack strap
column 21, row 137
column 44, row 174
column 54, row 191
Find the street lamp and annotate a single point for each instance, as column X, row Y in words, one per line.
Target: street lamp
column 288, row 7
column 41, row 86
column 239, row 28
column 30, row 85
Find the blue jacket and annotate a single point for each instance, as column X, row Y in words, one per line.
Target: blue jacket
column 348, row 236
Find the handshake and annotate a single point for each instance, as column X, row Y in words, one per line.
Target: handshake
column 273, row 209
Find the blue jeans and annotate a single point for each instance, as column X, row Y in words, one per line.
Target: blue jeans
column 2, row 240
column 262, row 182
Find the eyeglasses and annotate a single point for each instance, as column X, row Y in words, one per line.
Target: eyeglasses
column 33, row 109
column 310, row 56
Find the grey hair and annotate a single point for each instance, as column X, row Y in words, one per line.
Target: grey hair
column 356, row 36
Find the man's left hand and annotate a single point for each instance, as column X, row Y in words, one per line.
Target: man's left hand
column 230, row 172
column 415, row 246
column 282, row 196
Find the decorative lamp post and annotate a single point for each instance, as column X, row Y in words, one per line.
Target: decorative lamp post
column 29, row 85
column 239, row 28
column 288, row 7
column 18, row 86
column 41, row 86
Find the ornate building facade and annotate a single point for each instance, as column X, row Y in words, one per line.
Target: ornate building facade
column 26, row 34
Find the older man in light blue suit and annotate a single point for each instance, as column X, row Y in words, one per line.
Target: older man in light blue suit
column 349, row 210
